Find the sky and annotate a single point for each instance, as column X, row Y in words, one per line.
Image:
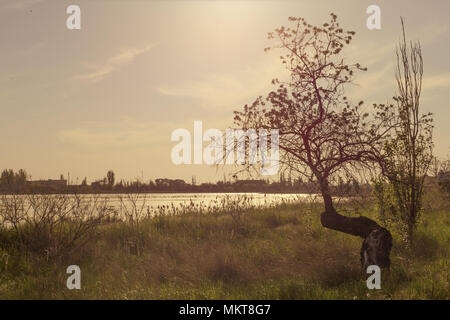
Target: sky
column 108, row 96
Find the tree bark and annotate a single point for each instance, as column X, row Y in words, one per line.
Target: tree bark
column 377, row 242
column 360, row 226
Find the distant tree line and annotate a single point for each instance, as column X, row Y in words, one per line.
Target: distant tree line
column 10, row 180
column 20, row 182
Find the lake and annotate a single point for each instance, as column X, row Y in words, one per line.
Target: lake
column 135, row 206
column 145, row 204
column 204, row 202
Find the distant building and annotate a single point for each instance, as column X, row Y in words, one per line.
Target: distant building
column 98, row 183
column 58, row 184
column 170, row 182
column 250, row 182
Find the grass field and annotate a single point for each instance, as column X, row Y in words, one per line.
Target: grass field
column 274, row 253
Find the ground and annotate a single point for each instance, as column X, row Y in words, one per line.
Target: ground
column 274, row 253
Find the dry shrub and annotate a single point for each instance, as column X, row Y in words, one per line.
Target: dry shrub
column 52, row 225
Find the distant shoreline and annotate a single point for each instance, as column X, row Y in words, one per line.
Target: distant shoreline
column 154, row 192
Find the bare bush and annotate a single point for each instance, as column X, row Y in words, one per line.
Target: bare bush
column 52, row 224
column 133, row 209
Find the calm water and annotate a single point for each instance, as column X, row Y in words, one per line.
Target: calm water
column 157, row 203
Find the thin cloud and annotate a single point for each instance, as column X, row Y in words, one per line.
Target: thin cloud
column 375, row 83
column 228, row 89
column 100, row 71
column 32, row 49
column 124, row 134
column 436, row 81
column 19, row 4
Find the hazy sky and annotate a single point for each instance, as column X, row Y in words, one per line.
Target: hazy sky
column 109, row 95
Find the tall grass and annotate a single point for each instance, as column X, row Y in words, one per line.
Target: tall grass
column 236, row 252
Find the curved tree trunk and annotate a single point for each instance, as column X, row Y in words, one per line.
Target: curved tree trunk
column 377, row 242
